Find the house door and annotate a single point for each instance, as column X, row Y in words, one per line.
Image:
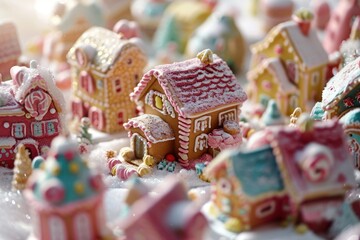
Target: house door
column 139, row 144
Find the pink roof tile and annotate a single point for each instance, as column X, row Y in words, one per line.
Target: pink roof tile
column 154, row 128
column 193, row 87
column 9, row 43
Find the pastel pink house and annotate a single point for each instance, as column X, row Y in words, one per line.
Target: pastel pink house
column 169, row 215
column 10, row 49
column 339, row 26
column 30, row 112
column 66, row 197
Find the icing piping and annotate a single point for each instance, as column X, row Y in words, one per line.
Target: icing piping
column 227, row 115
column 202, row 123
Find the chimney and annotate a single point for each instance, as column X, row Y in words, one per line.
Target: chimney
column 303, row 19
column 355, row 29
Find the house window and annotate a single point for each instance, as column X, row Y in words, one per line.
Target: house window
column 201, row 142
column 265, row 209
column 51, row 128
column 224, row 185
column 158, row 102
column 227, row 115
column 81, row 224
column 315, row 79
column 292, row 73
column 57, row 228
column 99, row 84
column 267, row 85
column 77, row 108
column 117, row 85
column 294, row 101
column 97, row 118
column 202, row 123
column 37, row 129
column 87, row 82
column 18, row 130
column 120, row 118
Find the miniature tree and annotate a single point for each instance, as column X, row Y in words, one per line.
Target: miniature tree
column 272, row 115
column 84, row 135
column 22, row 169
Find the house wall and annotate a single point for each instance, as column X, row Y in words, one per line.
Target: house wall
column 252, row 212
column 112, row 98
column 157, row 150
column 309, row 90
column 172, row 121
column 129, row 69
column 8, row 122
column 194, row 150
column 71, row 225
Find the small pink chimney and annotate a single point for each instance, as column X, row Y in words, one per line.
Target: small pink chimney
column 303, row 19
column 304, row 25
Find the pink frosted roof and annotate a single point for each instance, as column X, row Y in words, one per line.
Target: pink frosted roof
column 154, row 128
column 193, row 87
column 9, row 42
column 330, row 135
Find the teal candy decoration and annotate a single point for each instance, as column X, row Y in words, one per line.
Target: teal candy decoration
column 154, row 9
column 351, row 119
column 257, row 171
column 37, row 161
column 162, row 164
column 272, row 115
column 346, row 219
column 66, row 167
column 317, row 112
column 199, row 168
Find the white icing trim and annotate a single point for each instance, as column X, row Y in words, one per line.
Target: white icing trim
column 167, row 108
column 143, row 140
column 201, row 142
column 82, row 224
column 23, row 129
column 57, row 229
column 202, row 123
column 7, row 142
column 227, row 115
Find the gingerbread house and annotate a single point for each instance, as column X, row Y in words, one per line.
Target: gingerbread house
column 275, row 180
column 31, row 110
column 289, row 66
column 70, row 19
column 170, row 215
column 105, row 68
column 342, row 92
column 10, row 49
column 187, row 101
column 66, row 197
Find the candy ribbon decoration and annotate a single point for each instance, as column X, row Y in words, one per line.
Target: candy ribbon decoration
column 37, row 104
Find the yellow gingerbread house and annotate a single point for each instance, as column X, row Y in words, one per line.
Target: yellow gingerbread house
column 289, row 65
column 105, row 68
